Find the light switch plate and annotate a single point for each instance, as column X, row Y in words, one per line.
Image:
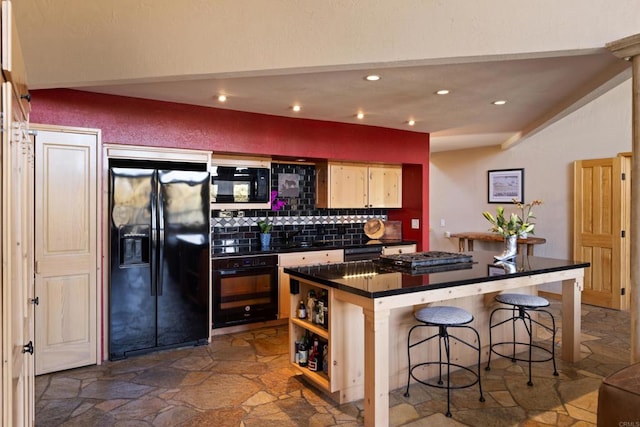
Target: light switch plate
column 415, row 223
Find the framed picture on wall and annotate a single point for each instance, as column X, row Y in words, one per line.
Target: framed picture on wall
column 505, row 185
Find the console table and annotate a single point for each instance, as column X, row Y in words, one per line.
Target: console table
column 469, row 237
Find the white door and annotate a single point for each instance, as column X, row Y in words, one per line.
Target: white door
column 66, row 250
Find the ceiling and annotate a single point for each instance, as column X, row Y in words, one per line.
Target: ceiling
column 539, row 89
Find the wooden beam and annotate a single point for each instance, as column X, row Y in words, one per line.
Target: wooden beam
column 628, row 49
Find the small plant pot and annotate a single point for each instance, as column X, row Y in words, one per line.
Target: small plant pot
column 265, row 241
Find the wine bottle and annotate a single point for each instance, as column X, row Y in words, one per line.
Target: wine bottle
column 313, row 356
column 302, row 310
column 325, row 308
column 303, row 358
column 325, row 358
column 319, row 314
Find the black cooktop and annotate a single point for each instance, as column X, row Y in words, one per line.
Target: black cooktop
column 420, row 260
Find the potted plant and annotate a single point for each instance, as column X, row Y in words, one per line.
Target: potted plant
column 512, row 227
column 265, row 233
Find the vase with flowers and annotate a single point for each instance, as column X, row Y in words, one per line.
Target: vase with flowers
column 265, row 225
column 265, row 233
column 512, row 226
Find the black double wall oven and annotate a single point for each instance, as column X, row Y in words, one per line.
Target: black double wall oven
column 245, row 289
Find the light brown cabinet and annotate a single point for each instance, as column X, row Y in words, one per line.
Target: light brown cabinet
column 358, row 185
column 296, row 259
column 398, row 249
column 344, row 375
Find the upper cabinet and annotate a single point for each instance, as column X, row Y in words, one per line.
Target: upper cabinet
column 358, row 185
column 385, row 186
column 12, row 61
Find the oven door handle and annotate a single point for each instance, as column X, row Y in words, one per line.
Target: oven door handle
column 227, row 272
column 244, row 271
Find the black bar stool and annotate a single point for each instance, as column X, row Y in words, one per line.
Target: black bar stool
column 521, row 305
column 444, row 317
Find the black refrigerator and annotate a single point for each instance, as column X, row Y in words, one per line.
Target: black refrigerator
column 159, row 283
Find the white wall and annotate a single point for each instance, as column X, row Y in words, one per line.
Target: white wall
column 458, row 179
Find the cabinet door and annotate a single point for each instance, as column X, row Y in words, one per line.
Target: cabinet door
column 385, row 186
column 348, row 186
column 12, row 61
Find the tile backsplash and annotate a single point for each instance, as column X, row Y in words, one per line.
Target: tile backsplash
column 298, row 220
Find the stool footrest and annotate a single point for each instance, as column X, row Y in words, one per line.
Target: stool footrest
column 524, row 344
column 428, row 382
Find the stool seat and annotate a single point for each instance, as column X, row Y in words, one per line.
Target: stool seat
column 443, row 315
column 532, row 301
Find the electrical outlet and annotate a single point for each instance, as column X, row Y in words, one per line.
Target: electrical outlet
column 415, row 223
column 442, row 222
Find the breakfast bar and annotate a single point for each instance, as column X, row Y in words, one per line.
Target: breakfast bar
column 378, row 289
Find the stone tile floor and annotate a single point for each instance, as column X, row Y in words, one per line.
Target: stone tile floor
column 244, row 379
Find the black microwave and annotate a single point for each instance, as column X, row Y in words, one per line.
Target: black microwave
column 240, row 186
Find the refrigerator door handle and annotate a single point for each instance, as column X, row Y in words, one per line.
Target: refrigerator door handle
column 160, row 241
column 154, row 244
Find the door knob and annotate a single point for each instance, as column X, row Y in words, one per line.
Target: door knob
column 28, row 348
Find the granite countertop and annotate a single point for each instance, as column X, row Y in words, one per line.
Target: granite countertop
column 375, row 279
column 320, row 245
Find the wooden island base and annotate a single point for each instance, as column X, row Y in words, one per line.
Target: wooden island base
column 369, row 321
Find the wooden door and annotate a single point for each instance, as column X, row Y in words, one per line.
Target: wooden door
column 17, row 265
column 66, row 250
column 16, row 230
column 348, row 186
column 385, row 186
column 601, row 226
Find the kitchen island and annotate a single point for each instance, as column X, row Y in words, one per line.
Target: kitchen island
column 378, row 290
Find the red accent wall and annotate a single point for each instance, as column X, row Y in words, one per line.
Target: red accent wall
column 134, row 121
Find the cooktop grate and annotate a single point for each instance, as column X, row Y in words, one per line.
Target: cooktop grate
column 425, row 259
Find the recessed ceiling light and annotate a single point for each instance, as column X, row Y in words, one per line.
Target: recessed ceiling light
column 372, row 77
column 222, row 98
column 499, row 102
column 442, row 92
column 360, row 115
column 296, row 108
column 411, row 122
